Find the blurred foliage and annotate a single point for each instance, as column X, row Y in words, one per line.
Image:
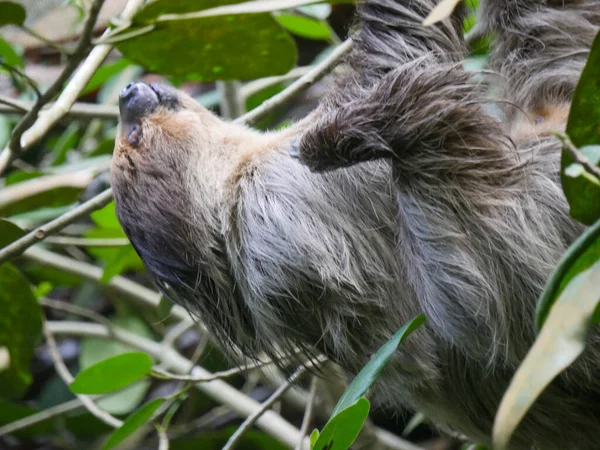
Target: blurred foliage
column 192, row 44
column 20, row 330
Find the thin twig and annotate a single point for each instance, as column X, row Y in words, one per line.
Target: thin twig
column 86, row 242
column 308, row 412
column 49, row 413
column 77, row 310
column 218, row 390
column 55, row 225
column 120, row 284
column 56, row 46
column 174, row 333
column 8, row 104
column 247, row 424
column 63, row 372
column 297, row 86
column 165, row 375
column 577, row 156
column 253, row 87
column 26, row 78
column 15, row 147
column 77, row 111
column 163, row 438
column 28, row 188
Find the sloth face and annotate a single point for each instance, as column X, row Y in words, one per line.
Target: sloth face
column 160, row 129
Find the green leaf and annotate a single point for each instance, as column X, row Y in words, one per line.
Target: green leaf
column 341, row 431
column 305, row 27
column 133, row 422
column 580, row 256
column 67, row 141
column 213, row 8
column 118, row 259
column 584, row 117
column 104, row 73
column 125, row 258
column 11, row 13
column 20, row 329
column 242, row 47
column 112, row 374
column 367, row 376
column 314, row 437
column 560, row 342
column 583, row 128
column 9, row 232
column 94, row 350
column 8, row 54
column 107, row 217
column 164, row 307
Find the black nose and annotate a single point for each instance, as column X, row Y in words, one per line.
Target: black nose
column 136, row 100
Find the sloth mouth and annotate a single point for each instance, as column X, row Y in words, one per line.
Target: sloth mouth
column 137, row 100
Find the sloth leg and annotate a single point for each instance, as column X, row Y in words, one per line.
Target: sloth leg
column 405, row 97
column 539, row 49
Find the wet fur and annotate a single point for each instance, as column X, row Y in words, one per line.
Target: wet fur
column 436, row 206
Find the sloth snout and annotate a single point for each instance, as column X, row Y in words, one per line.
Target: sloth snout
column 135, row 101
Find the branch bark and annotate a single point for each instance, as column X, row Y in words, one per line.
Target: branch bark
column 251, row 420
column 297, row 86
column 35, row 236
column 65, row 375
column 77, row 111
column 15, row 146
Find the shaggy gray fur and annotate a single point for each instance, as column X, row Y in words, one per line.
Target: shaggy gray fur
column 460, row 218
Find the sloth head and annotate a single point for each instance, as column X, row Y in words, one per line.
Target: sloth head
column 173, row 168
column 161, row 128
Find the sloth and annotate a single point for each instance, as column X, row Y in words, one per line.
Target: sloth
column 410, row 189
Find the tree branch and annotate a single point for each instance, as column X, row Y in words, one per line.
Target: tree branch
column 308, row 412
column 164, row 375
column 220, row 391
column 577, row 156
column 77, row 310
column 63, row 372
column 122, row 285
column 253, row 87
column 251, row 420
column 36, row 418
column 20, row 245
column 25, row 189
column 77, row 111
column 307, row 80
column 86, row 242
column 15, row 147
